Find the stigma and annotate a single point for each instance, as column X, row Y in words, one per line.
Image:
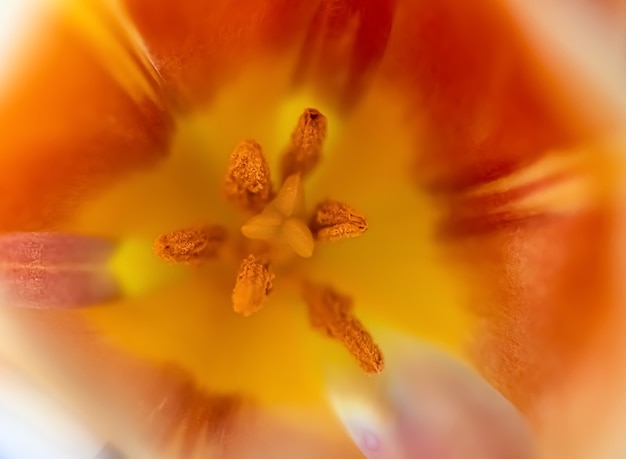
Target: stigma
column 281, row 220
column 276, row 221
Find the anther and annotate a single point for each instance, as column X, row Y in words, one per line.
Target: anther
column 254, row 283
column 306, row 144
column 280, row 221
column 192, row 245
column 333, row 221
column 331, row 313
column 248, row 183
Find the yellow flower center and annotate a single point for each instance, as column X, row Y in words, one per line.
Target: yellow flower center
column 280, row 222
column 394, row 277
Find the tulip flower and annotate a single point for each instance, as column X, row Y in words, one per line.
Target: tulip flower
column 335, row 228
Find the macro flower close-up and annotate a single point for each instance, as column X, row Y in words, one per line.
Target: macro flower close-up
column 313, row 229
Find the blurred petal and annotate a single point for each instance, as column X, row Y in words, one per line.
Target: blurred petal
column 475, row 93
column 533, row 128
column 345, row 42
column 33, row 426
column 154, row 410
column 47, row 270
column 551, row 314
column 429, row 406
column 70, row 123
column 333, row 45
column 519, row 126
column 198, row 45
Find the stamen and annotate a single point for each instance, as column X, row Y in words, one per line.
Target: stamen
column 279, row 220
column 192, row 245
column 306, row 144
column 248, row 183
column 331, row 313
column 254, row 283
column 333, row 221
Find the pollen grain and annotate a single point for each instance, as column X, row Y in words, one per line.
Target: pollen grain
column 248, row 183
column 331, row 313
column 191, row 245
column 254, row 283
column 307, row 141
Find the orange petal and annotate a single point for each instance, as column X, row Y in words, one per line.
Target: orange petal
column 345, row 43
column 198, row 45
column 550, row 321
column 547, row 304
column 474, row 90
column 534, row 198
column 69, row 127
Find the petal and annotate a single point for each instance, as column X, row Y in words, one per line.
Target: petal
column 46, row 270
column 71, row 122
column 478, row 98
column 36, row 427
column 551, row 321
column 198, row 47
column 530, row 188
column 534, row 219
column 428, row 405
column 148, row 410
column 345, row 42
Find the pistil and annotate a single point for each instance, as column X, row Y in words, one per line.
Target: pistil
column 280, row 221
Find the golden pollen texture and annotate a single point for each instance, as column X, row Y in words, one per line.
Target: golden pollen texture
column 248, row 184
column 192, row 245
column 334, row 220
column 331, row 313
column 306, row 144
column 254, row 283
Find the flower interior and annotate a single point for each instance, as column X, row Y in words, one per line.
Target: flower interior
column 265, row 230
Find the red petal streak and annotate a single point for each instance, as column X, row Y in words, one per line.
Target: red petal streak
column 344, row 44
column 48, row 270
column 68, row 128
column 557, row 184
column 197, row 44
column 475, row 91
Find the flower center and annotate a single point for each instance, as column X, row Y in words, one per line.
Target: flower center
column 278, row 229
